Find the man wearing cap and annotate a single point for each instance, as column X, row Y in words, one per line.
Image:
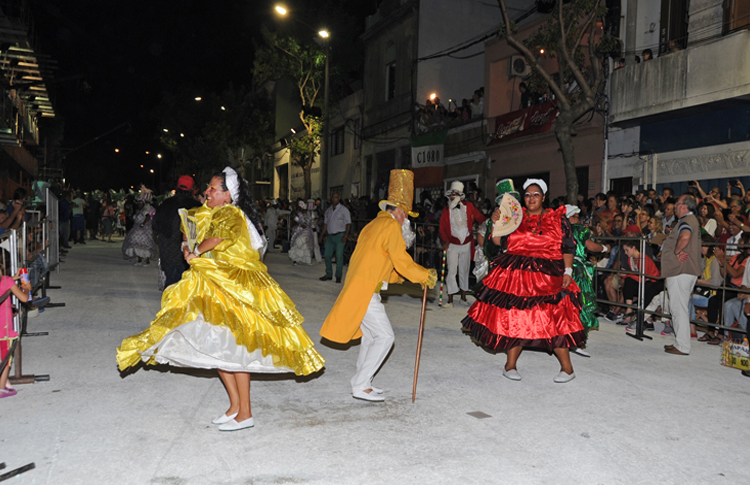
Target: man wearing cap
column 380, row 258
column 456, row 223
column 337, row 223
column 166, row 226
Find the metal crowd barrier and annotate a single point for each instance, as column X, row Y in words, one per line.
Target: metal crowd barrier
column 640, row 305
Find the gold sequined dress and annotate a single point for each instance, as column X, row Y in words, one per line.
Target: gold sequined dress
column 226, row 312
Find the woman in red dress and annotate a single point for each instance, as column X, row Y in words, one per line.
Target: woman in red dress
column 529, row 298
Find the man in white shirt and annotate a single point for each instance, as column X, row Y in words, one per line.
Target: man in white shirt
column 734, row 239
column 337, row 223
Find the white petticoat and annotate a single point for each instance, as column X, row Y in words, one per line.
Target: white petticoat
column 202, row 345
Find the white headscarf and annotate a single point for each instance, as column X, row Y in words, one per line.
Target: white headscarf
column 538, row 182
column 232, row 181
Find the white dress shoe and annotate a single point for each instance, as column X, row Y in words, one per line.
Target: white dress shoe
column 224, row 418
column 512, row 374
column 564, row 377
column 233, row 425
column 368, row 396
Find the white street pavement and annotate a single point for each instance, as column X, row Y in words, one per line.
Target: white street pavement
column 633, row 414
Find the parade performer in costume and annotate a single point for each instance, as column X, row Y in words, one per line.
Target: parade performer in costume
column 583, row 269
column 139, row 242
column 301, row 247
column 529, row 298
column 379, row 259
column 456, row 225
column 226, row 312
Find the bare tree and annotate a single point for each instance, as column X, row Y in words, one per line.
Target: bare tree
column 562, row 38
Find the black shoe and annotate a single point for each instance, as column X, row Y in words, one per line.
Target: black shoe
column 745, row 373
column 338, row 280
column 326, row 278
column 648, row 326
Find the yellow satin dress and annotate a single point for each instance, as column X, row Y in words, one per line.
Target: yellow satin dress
column 226, row 312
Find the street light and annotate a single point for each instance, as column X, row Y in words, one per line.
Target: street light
column 325, row 35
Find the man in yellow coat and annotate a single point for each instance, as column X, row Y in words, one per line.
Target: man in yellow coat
column 380, row 258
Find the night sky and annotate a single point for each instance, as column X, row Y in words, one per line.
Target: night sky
column 129, row 53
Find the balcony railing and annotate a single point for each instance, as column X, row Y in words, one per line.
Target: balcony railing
column 715, row 71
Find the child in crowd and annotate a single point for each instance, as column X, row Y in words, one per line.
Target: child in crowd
column 7, row 332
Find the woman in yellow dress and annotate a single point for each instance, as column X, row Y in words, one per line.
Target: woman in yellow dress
column 226, row 312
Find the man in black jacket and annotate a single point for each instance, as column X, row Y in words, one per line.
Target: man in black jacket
column 166, row 227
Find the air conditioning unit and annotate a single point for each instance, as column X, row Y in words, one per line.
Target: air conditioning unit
column 518, row 67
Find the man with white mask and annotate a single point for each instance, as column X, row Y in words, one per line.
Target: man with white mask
column 456, row 223
column 380, row 258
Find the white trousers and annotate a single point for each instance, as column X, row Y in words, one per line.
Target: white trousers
column 377, row 340
column 680, row 289
column 458, row 260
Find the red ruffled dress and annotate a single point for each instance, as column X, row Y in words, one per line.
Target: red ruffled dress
column 522, row 301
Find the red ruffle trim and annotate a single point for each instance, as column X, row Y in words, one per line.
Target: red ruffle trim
column 503, row 343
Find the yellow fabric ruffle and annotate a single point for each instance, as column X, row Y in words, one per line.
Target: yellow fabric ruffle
column 231, row 287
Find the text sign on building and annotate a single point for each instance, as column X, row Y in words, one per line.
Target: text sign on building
column 427, row 156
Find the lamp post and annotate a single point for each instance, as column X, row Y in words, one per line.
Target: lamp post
column 325, row 35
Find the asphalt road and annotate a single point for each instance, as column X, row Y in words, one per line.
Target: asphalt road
column 633, row 414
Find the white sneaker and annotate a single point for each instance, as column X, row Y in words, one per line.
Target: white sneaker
column 581, row 352
column 224, row 418
column 368, row 396
column 512, row 374
column 447, row 305
column 564, row 377
column 233, row 425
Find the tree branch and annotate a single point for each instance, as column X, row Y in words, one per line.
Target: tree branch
column 585, row 26
column 562, row 99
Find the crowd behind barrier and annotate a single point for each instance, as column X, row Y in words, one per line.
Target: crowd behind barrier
column 705, row 295
column 34, row 245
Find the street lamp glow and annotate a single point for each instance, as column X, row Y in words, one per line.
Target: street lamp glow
column 166, row 130
column 433, row 96
column 117, row 150
column 280, row 10
column 147, row 153
column 152, row 170
column 223, row 108
column 541, row 51
column 198, row 98
column 293, row 132
column 158, row 156
column 182, row 135
column 141, row 166
column 324, row 34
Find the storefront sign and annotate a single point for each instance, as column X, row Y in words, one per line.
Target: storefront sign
column 427, row 156
column 528, row 121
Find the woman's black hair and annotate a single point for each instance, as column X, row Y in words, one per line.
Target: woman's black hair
column 245, row 201
column 707, row 238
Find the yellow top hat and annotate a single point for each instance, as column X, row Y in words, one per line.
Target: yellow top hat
column 400, row 191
